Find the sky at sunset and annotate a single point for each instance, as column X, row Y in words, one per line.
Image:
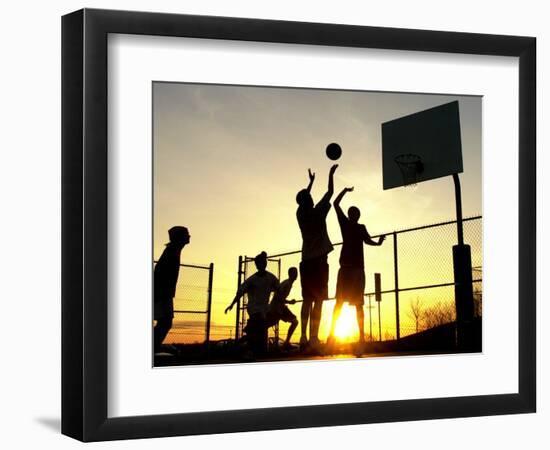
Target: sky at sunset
column 229, row 160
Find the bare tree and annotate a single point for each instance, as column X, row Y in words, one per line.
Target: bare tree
column 417, row 312
column 478, row 296
column 439, row 314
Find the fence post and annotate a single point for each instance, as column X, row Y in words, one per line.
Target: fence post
column 396, row 281
column 239, row 272
column 378, row 298
column 370, row 316
column 276, row 328
column 209, row 306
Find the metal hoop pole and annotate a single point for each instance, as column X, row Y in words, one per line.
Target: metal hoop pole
column 396, row 285
column 458, row 198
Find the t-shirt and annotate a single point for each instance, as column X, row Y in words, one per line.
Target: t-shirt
column 313, row 226
column 166, row 273
column 281, row 295
column 258, row 287
column 353, row 237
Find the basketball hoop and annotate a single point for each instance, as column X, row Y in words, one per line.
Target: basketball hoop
column 411, row 167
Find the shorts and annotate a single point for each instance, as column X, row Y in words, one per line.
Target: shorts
column 350, row 285
column 284, row 314
column 314, row 279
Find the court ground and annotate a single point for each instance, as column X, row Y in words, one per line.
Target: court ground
column 438, row 340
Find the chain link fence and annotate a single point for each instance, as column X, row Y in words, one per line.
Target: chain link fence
column 417, row 283
column 192, row 305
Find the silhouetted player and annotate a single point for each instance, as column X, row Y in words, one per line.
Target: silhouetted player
column 350, row 285
column 279, row 311
column 258, row 286
column 165, row 280
column 315, row 248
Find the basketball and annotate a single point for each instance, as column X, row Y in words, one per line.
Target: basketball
column 334, row 151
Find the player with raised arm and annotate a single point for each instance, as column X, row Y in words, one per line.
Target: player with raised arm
column 316, row 246
column 350, row 285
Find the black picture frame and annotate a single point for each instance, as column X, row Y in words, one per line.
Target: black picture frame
column 84, row 224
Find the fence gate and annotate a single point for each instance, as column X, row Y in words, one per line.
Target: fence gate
column 192, row 305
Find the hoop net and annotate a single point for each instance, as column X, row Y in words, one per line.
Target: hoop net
column 411, row 167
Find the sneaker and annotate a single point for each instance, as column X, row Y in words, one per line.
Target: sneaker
column 360, row 348
column 315, row 347
column 287, row 347
column 303, row 343
column 314, row 342
column 173, row 349
column 249, row 356
column 167, row 350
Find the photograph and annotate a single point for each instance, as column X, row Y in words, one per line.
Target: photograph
column 251, row 206
column 304, row 224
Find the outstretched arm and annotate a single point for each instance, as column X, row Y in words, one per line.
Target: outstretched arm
column 330, row 190
column 339, row 198
column 311, row 179
column 238, row 295
column 369, row 241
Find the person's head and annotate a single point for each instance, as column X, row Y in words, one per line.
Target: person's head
column 354, row 214
column 179, row 236
column 292, row 273
column 261, row 261
column 303, row 198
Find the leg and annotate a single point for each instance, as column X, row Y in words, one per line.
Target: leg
column 252, row 334
column 257, row 334
column 263, row 332
column 335, row 316
column 161, row 330
column 315, row 319
column 304, row 315
column 320, row 289
column 361, row 321
column 307, row 300
column 291, row 329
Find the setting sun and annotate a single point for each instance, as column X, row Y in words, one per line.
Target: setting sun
column 346, row 328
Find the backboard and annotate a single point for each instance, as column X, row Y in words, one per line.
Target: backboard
column 427, row 143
